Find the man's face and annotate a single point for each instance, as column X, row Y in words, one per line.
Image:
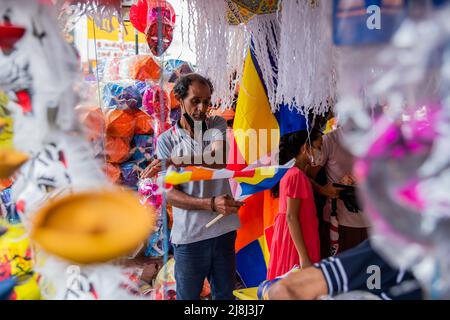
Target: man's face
column 198, row 101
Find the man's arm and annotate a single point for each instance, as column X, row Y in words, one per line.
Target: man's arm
column 182, row 200
column 327, row 190
column 307, row 284
column 222, row 204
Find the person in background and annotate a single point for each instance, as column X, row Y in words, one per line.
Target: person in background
column 338, row 165
column 344, row 273
column 296, row 231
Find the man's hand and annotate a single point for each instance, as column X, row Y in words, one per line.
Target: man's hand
column 226, row 205
column 348, row 179
column 154, row 168
column 306, row 284
column 329, row 191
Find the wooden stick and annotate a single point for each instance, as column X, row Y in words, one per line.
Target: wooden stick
column 214, row 220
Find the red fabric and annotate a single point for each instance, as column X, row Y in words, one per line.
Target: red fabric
column 10, row 34
column 235, row 159
column 24, row 100
column 283, row 254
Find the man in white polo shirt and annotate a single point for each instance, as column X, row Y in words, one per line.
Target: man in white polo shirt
column 200, row 252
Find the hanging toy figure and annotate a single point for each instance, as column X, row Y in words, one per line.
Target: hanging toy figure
column 158, row 108
column 18, row 78
column 146, row 15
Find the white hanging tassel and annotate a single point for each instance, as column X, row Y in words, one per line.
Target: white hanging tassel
column 306, row 78
column 219, row 47
column 265, row 31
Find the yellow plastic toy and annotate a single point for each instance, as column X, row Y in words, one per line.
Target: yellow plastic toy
column 246, row 294
column 16, row 260
column 91, row 227
column 10, row 161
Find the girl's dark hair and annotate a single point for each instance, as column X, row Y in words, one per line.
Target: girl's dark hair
column 290, row 146
column 181, row 87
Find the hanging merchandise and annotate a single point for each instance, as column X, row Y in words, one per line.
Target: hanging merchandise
column 10, row 161
column 219, row 47
column 151, row 196
column 175, row 115
column 150, row 192
column 144, row 148
column 138, row 15
column 145, row 16
column 143, row 68
column 174, row 68
column 16, row 261
column 120, row 123
column 394, row 117
column 153, row 106
column 306, row 62
column 130, row 174
column 160, row 20
column 121, row 96
column 6, row 123
column 116, row 149
column 38, row 74
column 113, row 172
column 174, row 103
column 62, row 280
column 143, row 123
column 93, row 121
column 241, row 11
column 102, row 11
column 92, row 226
column 65, row 163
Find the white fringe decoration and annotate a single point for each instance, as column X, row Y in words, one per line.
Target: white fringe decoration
column 265, row 31
column 306, row 65
column 219, row 47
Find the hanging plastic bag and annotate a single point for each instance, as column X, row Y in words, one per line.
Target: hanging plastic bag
column 113, row 172
column 130, row 174
column 120, row 123
column 143, row 123
column 117, row 150
column 93, row 121
column 144, row 68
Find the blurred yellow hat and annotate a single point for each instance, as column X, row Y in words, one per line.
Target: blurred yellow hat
column 91, row 227
column 3, row 123
column 10, row 161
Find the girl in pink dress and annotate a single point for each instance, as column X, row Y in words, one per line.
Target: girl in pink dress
column 296, row 230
